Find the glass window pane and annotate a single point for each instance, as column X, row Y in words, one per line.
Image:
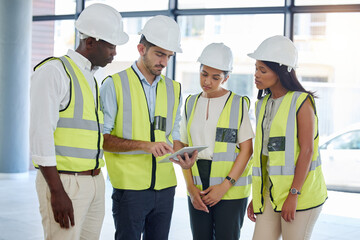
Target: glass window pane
column 328, row 64
column 242, row 33
column 325, row 2
column 134, row 5
column 53, row 7
column 185, row 4
column 51, row 38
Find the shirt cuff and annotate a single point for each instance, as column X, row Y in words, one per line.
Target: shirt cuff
column 49, row 161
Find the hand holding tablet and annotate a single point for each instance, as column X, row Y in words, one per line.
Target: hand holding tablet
column 181, row 152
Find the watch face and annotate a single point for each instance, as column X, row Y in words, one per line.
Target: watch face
column 232, row 181
column 294, row 191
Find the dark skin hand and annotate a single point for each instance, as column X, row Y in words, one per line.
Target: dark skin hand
column 60, row 201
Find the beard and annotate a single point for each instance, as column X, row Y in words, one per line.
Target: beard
column 152, row 69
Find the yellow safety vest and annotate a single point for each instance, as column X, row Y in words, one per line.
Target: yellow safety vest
column 284, row 149
column 225, row 149
column 139, row 170
column 78, row 135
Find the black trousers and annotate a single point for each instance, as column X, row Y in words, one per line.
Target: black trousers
column 224, row 220
column 144, row 211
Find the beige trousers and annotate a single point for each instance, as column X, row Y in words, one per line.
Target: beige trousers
column 87, row 194
column 270, row 225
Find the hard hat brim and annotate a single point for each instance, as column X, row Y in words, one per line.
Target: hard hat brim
column 124, row 38
column 259, row 58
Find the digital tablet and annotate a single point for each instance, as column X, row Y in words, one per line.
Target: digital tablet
column 181, row 152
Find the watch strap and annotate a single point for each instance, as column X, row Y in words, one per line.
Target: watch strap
column 231, row 180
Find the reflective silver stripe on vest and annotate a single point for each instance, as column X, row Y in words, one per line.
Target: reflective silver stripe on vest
column 197, row 180
column 229, row 155
column 77, row 152
column 132, row 152
column 279, row 170
column 277, row 144
column 79, row 104
column 78, row 123
column 190, row 105
column 170, row 108
column 257, row 111
column 242, row 181
column 127, row 108
column 160, row 123
column 256, row 171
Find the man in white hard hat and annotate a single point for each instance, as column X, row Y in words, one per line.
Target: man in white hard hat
column 141, row 125
column 66, row 128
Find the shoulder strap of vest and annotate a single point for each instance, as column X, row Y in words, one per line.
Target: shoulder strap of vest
column 246, row 98
column 189, row 104
column 311, row 98
column 102, row 82
column 44, row 61
column 66, row 70
column 171, row 81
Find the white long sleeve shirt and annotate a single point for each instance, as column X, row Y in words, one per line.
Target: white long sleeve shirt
column 50, row 93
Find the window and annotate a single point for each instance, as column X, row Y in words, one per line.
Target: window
column 228, row 3
column 52, row 7
column 133, row 5
column 242, row 33
column 331, row 65
column 325, row 2
column 51, row 38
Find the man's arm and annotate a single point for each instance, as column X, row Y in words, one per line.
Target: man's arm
column 116, row 144
column 49, row 87
column 60, row 201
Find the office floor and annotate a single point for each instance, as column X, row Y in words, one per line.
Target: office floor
column 20, row 219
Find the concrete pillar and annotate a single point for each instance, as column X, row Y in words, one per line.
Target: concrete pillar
column 15, row 56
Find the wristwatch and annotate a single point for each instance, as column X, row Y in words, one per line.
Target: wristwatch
column 294, row 191
column 232, row 181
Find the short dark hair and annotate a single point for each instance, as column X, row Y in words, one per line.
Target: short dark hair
column 145, row 42
column 288, row 79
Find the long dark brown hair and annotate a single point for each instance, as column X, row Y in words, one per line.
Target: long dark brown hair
column 287, row 79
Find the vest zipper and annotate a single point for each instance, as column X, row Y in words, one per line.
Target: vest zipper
column 98, row 124
column 261, row 165
column 152, row 135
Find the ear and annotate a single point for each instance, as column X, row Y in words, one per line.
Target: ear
column 90, row 42
column 224, row 81
column 142, row 49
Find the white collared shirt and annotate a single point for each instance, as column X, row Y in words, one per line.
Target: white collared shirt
column 50, row 93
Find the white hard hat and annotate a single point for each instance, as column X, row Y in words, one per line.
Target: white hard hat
column 277, row 49
column 101, row 21
column 217, row 55
column 163, row 32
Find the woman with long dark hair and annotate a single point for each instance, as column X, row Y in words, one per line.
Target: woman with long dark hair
column 288, row 186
